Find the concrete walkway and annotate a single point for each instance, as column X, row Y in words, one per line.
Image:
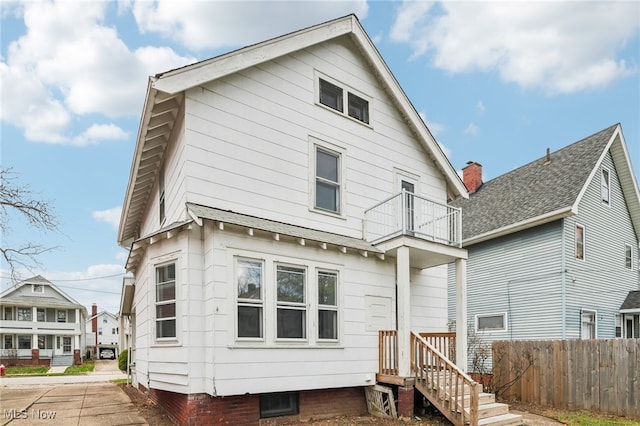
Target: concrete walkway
column 68, row 400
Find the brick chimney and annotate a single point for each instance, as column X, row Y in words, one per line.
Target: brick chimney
column 472, row 176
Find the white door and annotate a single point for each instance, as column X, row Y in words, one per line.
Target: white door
column 407, row 205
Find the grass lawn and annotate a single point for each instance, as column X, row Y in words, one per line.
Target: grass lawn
column 580, row 418
column 40, row 370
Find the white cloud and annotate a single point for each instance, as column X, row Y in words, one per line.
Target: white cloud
column 562, row 47
column 471, row 129
column 71, row 62
column 213, row 24
column 480, row 107
column 110, row 216
column 435, row 129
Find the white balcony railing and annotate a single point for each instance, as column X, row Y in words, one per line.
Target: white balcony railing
column 409, row 214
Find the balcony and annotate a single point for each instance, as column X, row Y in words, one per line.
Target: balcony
column 432, row 230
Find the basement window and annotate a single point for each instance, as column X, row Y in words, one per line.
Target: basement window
column 279, row 404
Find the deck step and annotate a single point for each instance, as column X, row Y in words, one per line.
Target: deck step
column 508, row 419
column 491, row 410
column 483, row 398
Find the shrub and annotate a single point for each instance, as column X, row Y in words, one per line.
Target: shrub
column 122, row 360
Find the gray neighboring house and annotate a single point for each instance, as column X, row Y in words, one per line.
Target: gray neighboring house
column 41, row 325
column 553, row 245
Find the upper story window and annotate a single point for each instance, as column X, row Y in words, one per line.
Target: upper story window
column 37, row 288
column 334, row 96
column 250, row 299
column 327, row 186
column 166, row 301
column 491, row 322
column 628, row 256
column 24, row 314
column 8, row 313
column 41, row 315
column 104, row 320
column 161, row 195
column 605, row 186
column 580, row 242
column 62, row 316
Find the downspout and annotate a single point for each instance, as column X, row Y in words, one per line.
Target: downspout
column 563, row 273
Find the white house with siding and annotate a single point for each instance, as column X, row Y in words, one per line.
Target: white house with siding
column 285, row 204
column 41, row 325
column 553, row 245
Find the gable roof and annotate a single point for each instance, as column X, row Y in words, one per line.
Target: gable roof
column 632, row 302
column 9, row 296
column 101, row 313
column 541, row 192
column 165, row 96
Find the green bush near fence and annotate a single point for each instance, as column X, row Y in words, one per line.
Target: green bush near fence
column 122, row 360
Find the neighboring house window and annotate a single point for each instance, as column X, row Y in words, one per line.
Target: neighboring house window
column 113, row 331
column 45, row 342
column 333, row 96
column 24, row 342
column 580, row 242
column 491, row 322
column 104, row 320
column 166, row 301
column 279, row 404
column 37, row 288
column 628, row 256
column 8, row 313
column 291, row 302
column 161, row 195
column 588, row 324
column 618, row 325
column 327, row 305
column 8, row 341
column 250, row 299
column 41, row 315
column 62, row 316
column 605, row 186
column 99, row 331
column 327, row 187
column 24, row 314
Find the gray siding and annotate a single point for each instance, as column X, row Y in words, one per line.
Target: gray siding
column 600, row 282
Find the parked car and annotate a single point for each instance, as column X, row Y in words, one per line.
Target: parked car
column 107, row 354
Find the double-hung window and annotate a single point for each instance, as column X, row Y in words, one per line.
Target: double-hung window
column 588, row 324
column 327, row 305
column 327, row 184
column 580, row 242
column 250, row 298
column 605, row 186
column 291, row 310
column 628, row 256
column 166, row 301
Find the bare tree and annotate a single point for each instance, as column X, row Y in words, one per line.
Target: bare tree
column 19, row 200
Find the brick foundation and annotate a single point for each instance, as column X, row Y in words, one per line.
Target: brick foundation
column 203, row 409
column 10, row 362
column 405, row 401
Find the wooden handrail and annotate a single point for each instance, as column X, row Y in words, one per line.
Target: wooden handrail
column 443, row 342
column 441, row 378
column 388, row 352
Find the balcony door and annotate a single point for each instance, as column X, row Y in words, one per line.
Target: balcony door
column 408, row 204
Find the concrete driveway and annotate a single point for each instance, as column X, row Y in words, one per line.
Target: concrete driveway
column 87, row 400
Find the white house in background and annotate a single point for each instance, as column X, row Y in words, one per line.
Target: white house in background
column 41, row 325
column 286, row 203
column 105, row 326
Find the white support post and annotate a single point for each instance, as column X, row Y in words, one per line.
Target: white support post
column 461, row 314
column 404, row 312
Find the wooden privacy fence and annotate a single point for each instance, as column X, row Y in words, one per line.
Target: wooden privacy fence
column 598, row 375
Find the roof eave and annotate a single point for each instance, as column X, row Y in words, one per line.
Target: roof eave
column 520, row 226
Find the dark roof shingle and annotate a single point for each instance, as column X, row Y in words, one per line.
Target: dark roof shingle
column 533, row 190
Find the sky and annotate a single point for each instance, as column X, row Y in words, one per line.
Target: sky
column 496, row 82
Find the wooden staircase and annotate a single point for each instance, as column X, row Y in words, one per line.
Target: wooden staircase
column 453, row 392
